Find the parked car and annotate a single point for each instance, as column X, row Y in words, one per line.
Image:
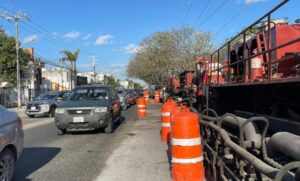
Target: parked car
column 131, row 97
column 89, row 107
column 45, row 104
column 124, row 99
column 11, row 142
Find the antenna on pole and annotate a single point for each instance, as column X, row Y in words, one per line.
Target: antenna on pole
column 94, row 57
column 15, row 19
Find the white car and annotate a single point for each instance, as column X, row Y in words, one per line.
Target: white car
column 11, row 142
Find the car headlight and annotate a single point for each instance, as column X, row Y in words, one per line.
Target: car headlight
column 101, row 109
column 45, row 107
column 59, row 110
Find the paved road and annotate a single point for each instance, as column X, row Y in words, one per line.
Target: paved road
column 74, row 156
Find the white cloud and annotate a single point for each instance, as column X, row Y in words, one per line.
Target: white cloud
column 54, row 33
column 253, row 1
column 104, row 39
column 117, row 66
column 87, row 36
column 87, row 43
column 131, row 48
column 72, row 35
column 30, row 38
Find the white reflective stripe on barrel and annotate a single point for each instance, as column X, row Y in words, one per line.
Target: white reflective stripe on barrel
column 165, row 114
column 142, row 110
column 141, row 106
column 165, row 124
column 186, row 142
column 187, row 160
column 156, row 95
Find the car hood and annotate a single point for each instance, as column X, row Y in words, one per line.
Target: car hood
column 40, row 101
column 86, row 103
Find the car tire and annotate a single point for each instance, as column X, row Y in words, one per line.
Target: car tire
column 7, row 163
column 52, row 112
column 61, row 131
column 110, row 126
column 31, row 116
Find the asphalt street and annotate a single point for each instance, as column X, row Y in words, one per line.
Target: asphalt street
column 77, row 155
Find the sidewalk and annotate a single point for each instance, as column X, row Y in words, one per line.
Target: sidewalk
column 141, row 156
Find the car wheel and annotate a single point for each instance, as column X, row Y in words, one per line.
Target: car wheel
column 61, row 131
column 7, row 164
column 52, row 112
column 110, row 126
column 31, row 116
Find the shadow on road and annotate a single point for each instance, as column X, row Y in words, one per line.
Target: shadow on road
column 32, row 159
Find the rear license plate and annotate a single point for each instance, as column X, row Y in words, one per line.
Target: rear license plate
column 33, row 108
column 78, row 119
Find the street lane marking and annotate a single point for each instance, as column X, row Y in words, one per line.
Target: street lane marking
column 37, row 124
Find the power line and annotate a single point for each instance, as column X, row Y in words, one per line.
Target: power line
column 49, row 36
column 188, row 11
column 231, row 20
column 202, row 12
column 212, row 13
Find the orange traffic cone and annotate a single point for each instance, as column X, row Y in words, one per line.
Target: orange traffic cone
column 187, row 153
column 156, row 96
column 166, row 110
column 146, row 95
column 141, row 107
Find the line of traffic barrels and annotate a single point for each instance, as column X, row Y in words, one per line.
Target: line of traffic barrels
column 180, row 129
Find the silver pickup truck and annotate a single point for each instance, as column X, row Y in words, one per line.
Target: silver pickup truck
column 45, row 104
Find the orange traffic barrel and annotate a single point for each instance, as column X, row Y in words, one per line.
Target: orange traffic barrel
column 166, row 110
column 187, row 153
column 147, row 98
column 141, row 107
column 156, row 96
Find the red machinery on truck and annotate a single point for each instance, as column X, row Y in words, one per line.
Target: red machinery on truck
column 253, row 82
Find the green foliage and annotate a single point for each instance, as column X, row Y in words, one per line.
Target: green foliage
column 137, row 86
column 169, row 52
column 71, row 58
column 8, row 63
column 113, row 82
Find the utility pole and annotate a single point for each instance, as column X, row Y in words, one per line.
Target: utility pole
column 94, row 57
column 15, row 19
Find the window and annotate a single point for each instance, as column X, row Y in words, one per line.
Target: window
column 88, row 94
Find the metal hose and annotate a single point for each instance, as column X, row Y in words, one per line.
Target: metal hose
column 263, row 136
column 257, row 163
column 284, row 170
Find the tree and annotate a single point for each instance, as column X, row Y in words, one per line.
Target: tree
column 71, row 58
column 169, row 52
column 8, row 63
column 113, row 82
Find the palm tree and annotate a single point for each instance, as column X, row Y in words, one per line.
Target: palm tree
column 71, row 58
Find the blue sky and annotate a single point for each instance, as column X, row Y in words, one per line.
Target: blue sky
column 113, row 29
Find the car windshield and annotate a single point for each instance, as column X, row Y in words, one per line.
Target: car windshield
column 46, row 96
column 120, row 91
column 88, row 94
